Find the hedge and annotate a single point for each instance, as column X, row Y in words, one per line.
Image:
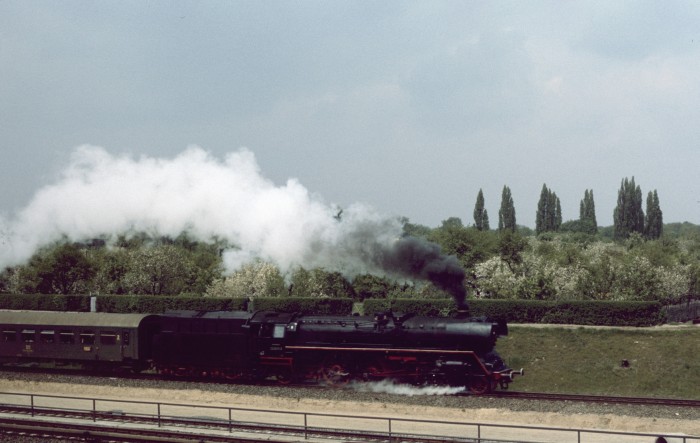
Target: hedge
column 606, row 313
column 603, row 313
column 157, row 304
column 45, row 302
column 304, row 305
column 428, row 307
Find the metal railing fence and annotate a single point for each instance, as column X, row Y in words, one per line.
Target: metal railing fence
column 304, row 422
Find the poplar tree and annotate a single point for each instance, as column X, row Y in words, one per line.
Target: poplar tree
column 481, row 217
column 548, row 217
column 653, row 224
column 628, row 216
column 506, row 215
column 587, row 213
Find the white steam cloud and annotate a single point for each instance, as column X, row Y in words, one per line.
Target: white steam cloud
column 100, row 194
column 391, row 387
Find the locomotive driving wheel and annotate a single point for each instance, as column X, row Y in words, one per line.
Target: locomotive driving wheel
column 284, row 377
column 374, row 370
column 479, row 385
column 335, row 373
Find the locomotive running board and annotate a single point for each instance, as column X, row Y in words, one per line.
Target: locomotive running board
column 418, row 351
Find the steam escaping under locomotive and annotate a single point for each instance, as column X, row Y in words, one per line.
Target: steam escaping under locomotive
column 267, row 345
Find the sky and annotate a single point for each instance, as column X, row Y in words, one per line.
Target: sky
column 406, row 107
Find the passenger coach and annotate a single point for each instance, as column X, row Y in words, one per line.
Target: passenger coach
column 93, row 339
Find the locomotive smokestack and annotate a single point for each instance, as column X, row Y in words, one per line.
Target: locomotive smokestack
column 421, row 259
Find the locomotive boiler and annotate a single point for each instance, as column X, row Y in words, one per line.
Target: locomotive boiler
column 406, row 348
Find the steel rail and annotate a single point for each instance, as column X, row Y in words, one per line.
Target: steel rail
column 92, row 432
column 196, row 430
column 650, row 401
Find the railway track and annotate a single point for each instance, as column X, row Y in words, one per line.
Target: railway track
column 600, row 399
column 74, row 425
column 49, row 424
column 540, row 396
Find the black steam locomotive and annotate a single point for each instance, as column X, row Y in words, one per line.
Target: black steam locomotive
column 266, row 345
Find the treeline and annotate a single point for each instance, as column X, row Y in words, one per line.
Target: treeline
column 637, row 259
column 556, row 266
column 628, row 216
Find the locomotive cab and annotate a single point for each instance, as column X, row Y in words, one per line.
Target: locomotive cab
column 271, row 332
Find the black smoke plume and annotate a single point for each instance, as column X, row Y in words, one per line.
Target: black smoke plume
column 417, row 258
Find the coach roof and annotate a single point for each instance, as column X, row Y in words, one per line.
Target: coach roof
column 91, row 319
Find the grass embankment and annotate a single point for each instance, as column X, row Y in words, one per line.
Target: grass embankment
column 662, row 362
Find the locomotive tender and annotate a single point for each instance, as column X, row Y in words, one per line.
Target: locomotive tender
column 259, row 345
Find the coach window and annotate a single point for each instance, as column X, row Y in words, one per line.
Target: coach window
column 9, row 335
column 108, row 338
column 28, row 335
column 66, row 337
column 47, row 336
column 278, row 331
column 87, row 337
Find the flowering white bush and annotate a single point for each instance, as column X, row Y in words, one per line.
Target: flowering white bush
column 156, row 270
column 555, row 269
column 674, row 283
column 494, row 279
column 14, row 283
column 257, row 279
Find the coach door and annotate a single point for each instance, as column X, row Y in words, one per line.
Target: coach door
column 87, row 339
column 109, row 346
column 124, row 341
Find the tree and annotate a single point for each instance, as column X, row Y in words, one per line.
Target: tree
column 112, row 265
column 61, row 269
column 654, row 224
column 320, row 283
column 469, row 245
column 255, row 279
column 587, row 216
column 371, row 286
column 481, row 216
column 506, row 215
column 548, row 217
column 628, row 216
column 452, row 222
column 162, row 269
column 414, row 230
column 557, row 217
column 510, row 249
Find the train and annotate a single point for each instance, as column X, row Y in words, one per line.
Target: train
column 265, row 345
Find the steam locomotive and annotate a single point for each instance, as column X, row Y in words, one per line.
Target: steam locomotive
column 266, row 345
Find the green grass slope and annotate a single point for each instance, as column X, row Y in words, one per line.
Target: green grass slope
column 662, row 362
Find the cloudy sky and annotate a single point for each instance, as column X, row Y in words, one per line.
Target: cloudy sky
column 408, row 107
